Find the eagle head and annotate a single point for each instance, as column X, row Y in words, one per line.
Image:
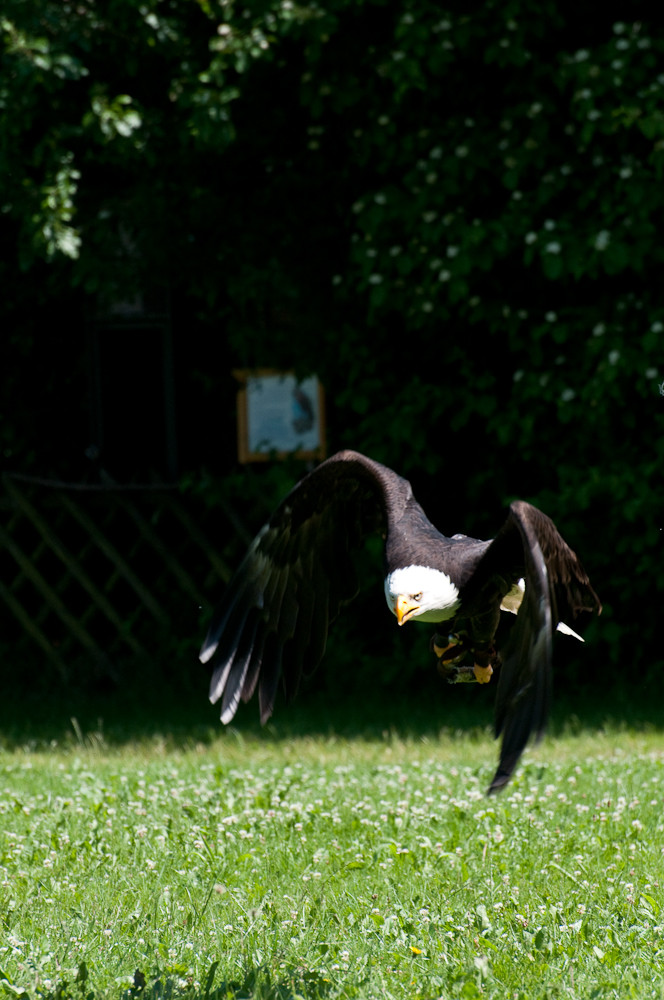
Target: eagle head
column 421, row 592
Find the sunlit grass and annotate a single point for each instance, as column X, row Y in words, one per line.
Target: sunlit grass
column 257, row 866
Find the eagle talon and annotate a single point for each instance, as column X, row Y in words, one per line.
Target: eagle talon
column 444, row 653
column 483, row 674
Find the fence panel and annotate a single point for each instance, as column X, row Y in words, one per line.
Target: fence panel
column 93, row 574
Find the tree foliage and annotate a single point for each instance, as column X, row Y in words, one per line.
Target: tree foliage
column 453, row 217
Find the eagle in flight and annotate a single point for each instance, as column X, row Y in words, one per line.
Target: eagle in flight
column 299, row 571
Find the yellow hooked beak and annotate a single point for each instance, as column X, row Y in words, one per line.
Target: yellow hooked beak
column 404, row 608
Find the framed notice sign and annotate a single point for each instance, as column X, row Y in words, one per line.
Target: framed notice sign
column 279, row 415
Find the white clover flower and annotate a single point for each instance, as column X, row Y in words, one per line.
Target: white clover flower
column 553, row 247
column 567, row 395
column 375, row 279
column 530, row 237
column 614, row 357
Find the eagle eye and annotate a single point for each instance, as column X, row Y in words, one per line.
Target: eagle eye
column 417, row 597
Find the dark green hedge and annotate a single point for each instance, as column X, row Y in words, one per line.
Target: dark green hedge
column 454, row 218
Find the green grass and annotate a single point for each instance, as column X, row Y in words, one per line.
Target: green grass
column 250, row 864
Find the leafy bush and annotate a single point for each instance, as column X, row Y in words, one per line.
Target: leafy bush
column 451, row 217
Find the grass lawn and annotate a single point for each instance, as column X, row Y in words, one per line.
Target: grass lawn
column 246, row 864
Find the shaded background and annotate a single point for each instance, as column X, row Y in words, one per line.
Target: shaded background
column 452, row 217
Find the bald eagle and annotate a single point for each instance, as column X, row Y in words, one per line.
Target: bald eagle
column 299, row 571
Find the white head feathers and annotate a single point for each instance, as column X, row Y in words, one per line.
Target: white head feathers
column 435, row 594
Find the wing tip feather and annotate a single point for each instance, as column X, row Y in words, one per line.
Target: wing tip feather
column 207, row 652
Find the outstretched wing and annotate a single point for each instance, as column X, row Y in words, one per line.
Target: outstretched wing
column 298, row 572
column 556, row 586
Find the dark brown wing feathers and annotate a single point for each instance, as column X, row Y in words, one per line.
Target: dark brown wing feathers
column 573, row 592
column 297, row 575
column 557, row 588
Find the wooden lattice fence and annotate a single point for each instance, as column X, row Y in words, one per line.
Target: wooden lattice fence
column 98, row 575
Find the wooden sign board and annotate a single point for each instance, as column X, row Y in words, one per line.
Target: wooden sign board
column 279, row 416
